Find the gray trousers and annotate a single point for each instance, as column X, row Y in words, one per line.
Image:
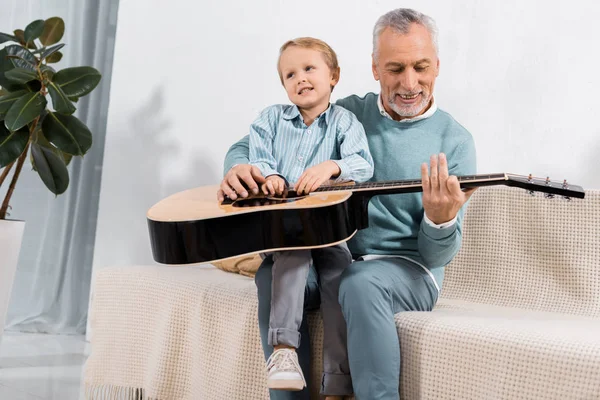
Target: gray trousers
column 289, row 278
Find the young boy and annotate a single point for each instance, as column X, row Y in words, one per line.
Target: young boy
column 307, row 144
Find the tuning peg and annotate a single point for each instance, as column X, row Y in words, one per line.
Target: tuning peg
column 567, row 198
column 530, row 178
column 565, row 185
column 549, row 196
column 548, row 181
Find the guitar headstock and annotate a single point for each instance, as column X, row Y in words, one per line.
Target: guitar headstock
column 547, row 186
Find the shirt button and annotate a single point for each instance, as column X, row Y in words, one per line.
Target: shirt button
column 300, row 158
column 308, row 131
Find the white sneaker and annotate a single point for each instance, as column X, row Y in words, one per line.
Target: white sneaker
column 284, row 372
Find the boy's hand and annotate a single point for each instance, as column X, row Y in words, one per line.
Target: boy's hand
column 315, row 176
column 275, row 184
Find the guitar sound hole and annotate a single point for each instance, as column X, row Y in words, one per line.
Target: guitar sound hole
column 262, row 200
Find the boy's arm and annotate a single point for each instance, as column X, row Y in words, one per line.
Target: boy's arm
column 356, row 163
column 439, row 244
column 260, row 144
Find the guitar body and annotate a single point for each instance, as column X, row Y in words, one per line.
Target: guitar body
column 192, row 227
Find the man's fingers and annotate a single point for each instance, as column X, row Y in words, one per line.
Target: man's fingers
column 425, row 178
column 251, row 184
column 443, row 169
column 433, row 178
column 257, row 175
column 228, row 191
column 453, row 186
column 234, row 183
column 220, row 195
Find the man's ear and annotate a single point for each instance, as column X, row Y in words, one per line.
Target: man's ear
column 438, row 67
column 374, row 68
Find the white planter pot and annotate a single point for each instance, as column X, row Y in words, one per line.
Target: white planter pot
column 11, row 235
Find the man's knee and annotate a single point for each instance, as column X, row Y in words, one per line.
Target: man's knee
column 360, row 287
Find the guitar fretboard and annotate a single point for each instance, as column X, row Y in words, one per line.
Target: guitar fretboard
column 407, row 183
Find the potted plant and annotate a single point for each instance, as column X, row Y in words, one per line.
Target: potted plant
column 37, row 103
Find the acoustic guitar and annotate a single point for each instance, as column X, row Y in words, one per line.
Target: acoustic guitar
column 192, row 227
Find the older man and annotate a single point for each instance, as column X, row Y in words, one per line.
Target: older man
column 400, row 258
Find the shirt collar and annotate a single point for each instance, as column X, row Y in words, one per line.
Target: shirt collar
column 426, row 114
column 292, row 112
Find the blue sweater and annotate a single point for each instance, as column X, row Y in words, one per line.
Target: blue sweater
column 396, row 225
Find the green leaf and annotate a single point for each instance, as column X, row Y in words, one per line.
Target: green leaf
column 7, row 101
column 67, row 133
column 74, row 99
column 54, row 29
column 4, row 37
column 27, row 108
column 51, row 168
column 55, row 57
column 59, row 100
column 48, row 71
column 21, row 57
column 20, row 35
column 12, row 145
column 51, row 50
column 77, row 81
column 5, row 66
column 42, row 141
column 34, row 30
column 21, row 75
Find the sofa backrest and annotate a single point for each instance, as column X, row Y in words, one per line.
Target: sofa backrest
column 529, row 252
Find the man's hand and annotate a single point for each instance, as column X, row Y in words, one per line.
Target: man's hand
column 231, row 186
column 442, row 195
column 275, row 184
column 314, row 177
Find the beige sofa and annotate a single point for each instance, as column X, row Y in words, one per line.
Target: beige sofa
column 518, row 317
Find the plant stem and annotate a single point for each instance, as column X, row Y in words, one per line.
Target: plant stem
column 20, row 161
column 5, row 172
column 13, row 182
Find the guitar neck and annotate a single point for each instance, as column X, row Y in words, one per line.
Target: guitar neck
column 414, row 185
column 530, row 183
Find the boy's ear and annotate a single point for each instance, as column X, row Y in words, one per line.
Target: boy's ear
column 335, row 76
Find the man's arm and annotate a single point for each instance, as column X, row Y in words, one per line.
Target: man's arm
column 238, row 153
column 443, row 200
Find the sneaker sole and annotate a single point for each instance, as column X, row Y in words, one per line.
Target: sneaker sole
column 283, row 384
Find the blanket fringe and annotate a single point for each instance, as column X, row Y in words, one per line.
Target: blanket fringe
column 111, row 392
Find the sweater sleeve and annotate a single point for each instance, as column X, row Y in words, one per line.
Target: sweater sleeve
column 438, row 246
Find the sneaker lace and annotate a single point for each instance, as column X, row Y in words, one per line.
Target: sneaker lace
column 285, row 360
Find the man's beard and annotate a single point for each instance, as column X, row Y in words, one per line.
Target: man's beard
column 409, row 111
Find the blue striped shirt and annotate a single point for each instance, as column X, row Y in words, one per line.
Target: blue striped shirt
column 282, row 144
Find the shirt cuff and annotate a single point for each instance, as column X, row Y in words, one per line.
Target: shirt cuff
column 344, row 171
column 439, row 226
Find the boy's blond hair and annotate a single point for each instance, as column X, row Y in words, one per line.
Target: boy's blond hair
column 313, row 44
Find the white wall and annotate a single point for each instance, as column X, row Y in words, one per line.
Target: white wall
column 189, row 77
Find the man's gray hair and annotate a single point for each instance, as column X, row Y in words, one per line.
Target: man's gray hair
column 400, row 20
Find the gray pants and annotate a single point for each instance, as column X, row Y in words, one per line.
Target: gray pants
column 289, row 276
